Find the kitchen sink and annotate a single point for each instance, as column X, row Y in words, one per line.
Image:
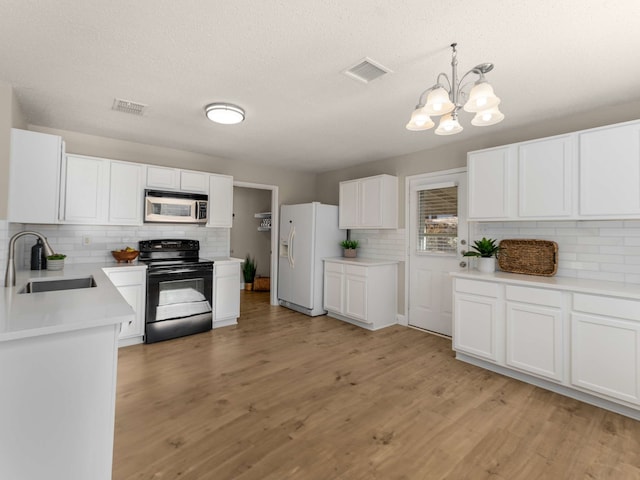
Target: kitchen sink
column 56, row 285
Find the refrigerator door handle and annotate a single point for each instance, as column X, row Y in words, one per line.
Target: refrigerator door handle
column 292, row 236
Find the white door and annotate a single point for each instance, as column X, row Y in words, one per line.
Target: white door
column 438, row 235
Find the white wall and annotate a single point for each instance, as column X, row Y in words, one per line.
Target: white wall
column 294, row 187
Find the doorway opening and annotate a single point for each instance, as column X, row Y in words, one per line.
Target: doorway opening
column 255, row 230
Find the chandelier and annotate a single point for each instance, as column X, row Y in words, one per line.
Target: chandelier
column 446, row 96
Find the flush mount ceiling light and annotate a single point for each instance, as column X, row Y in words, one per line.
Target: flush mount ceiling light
column 224, row 113
column 446, row 96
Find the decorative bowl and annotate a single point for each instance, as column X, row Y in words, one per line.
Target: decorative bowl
column 125, row 256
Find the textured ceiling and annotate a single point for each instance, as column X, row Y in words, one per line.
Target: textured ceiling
column 281, row 60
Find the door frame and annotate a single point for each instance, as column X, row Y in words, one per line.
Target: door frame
column 275, row 222
column 407, row 227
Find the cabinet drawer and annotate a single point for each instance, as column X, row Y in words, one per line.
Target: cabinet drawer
column 333, row 267
column 537, row 296
column 485, row 289
column 607, row 306
column 226, row 270
column 120, row 278
column 356, row 270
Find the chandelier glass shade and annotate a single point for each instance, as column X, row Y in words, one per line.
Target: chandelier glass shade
column 449, row 96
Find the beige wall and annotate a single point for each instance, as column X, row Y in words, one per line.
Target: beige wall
column 454, row 155
column 294, row 187
column 10, row 116
column 245, row 237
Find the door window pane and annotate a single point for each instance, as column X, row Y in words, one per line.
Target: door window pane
column 438, row 220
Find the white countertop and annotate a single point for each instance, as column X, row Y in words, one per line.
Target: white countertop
column 365, row 262
column 227, row 259
column 596, row 287
column 35, row 314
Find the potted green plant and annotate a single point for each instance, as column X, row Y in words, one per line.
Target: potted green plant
column 349, row 248
column 56, row 261
column 249, row 272
column 485, row 250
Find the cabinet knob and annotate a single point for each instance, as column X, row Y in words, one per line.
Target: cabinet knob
column 463, row 242
column 462, row 252
column 463, row 264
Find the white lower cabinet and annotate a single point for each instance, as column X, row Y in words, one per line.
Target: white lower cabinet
column 553, row 335
column 131, row 282
column 361, row 291
column 477, row 326
column 605, row 340
column 226, row 293
column 534, row 334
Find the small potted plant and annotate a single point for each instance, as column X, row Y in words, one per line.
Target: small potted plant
column 349, row 248
column 249, row 272
column 56, row 261
column 485, row 250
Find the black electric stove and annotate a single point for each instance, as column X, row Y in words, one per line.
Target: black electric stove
column 179, row 289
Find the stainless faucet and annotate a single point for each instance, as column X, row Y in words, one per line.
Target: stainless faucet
column 10, row 275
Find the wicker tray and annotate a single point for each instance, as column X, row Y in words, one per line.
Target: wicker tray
column 531, row 257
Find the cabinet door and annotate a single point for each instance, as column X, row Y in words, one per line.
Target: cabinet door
column 475, row 326
column 333, row 288
column 220, row 212
column 348, row 209
column 86, row 190
column 194, row 181
column 125, row 193
column 134, row 296
column 370, row 201
column 534, row 339
column 605, row 356
column 34, row 177
column 227, row 291
column 545, row 178
column 489, row 176
column 355, row 297
column 163, row 178
column 610, row 171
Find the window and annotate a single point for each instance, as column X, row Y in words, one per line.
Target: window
column 438, row 220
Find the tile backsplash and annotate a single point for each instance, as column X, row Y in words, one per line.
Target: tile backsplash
column 599, row 250
column 380, row 244
column 94, row 243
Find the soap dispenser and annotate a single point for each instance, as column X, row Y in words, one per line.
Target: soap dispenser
column 38, row 257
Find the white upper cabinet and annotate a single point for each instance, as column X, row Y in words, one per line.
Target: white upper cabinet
column 587, row 175
column 370, row 202
column 348, row 209
column 610, row 171
column 163, row 178
column 489, row 174
column 85, row 190
column 220, row 212
column 546, row 178
column 101, row 191
column 34, row 177
column 125, row 193
column 194, row 181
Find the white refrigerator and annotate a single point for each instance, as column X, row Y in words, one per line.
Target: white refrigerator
column 308, row 233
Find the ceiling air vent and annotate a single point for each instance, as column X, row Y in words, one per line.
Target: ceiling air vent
column 366, row 70
column 127, row 106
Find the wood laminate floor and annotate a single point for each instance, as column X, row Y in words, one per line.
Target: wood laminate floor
column 284, row 396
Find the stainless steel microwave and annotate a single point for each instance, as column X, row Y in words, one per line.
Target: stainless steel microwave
column 175, row 207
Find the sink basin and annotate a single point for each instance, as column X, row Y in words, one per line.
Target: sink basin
column 60, row 284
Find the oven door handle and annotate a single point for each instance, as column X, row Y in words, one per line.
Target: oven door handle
column 176, row 271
